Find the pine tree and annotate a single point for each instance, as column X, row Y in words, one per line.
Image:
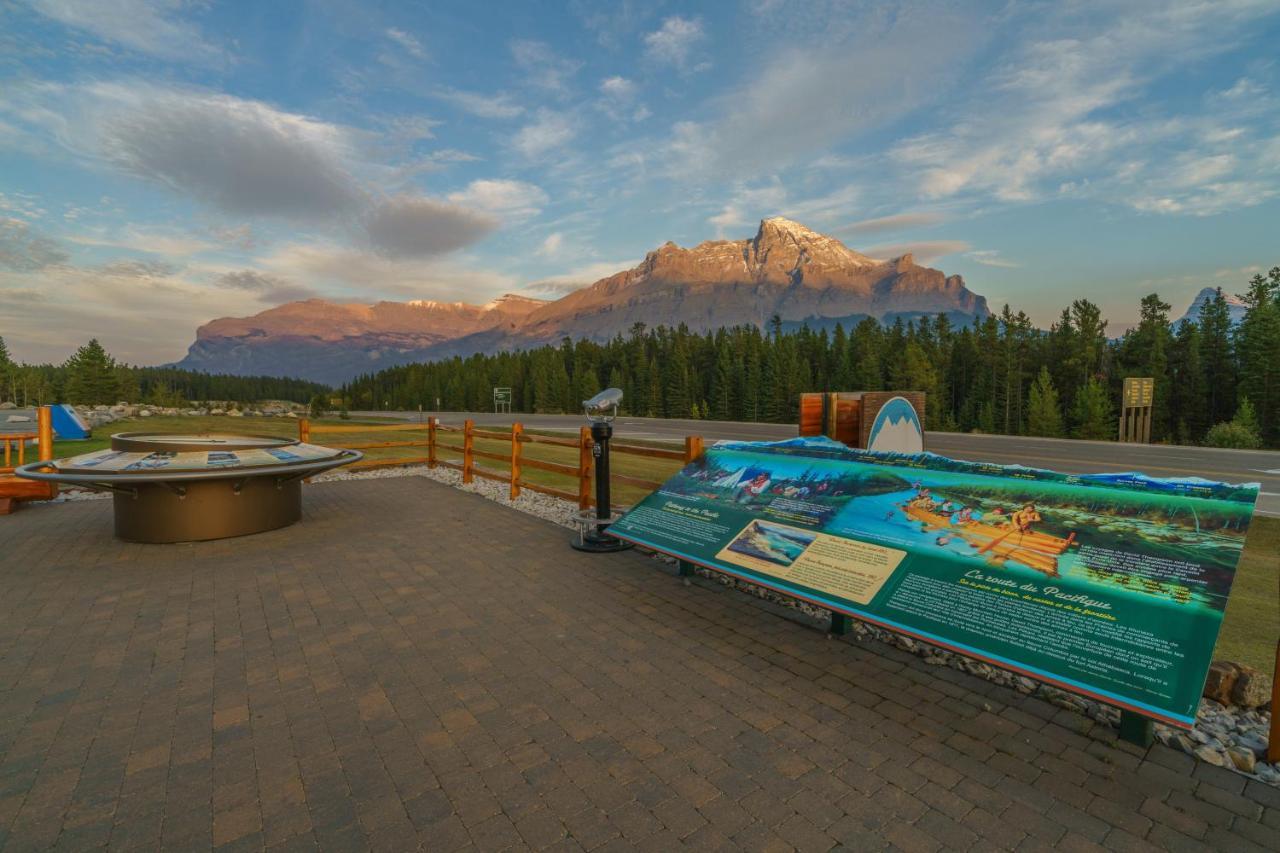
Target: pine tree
column 1094, row 417
column 91, row 376
column 1258, row 349
column 1044, row 416
column 1217, row 361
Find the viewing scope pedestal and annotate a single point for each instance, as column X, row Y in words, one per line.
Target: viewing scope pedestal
column 593, row 528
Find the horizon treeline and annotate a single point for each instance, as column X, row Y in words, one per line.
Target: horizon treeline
column 92, row 377
column 1001, row 375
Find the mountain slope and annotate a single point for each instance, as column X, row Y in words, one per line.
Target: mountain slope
column 1235, row 306
column 785, row 270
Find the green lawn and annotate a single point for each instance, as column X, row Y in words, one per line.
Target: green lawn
column 1249, row 631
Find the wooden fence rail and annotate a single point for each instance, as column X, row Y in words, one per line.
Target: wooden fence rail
column 14, row 489
column 516, row 461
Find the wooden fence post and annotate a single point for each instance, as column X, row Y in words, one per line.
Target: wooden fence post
column 1273, row 743
column 468, row 460
column 304, row 430
column 584, row 468
column 431, row 442
column 692, row 448
column 44, row 431
column 516, row 429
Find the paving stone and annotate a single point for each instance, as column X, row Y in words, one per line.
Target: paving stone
column 379, row 677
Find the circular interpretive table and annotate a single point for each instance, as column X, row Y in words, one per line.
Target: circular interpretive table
column 187, row 488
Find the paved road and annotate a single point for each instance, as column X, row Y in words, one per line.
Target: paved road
column 1075, row 457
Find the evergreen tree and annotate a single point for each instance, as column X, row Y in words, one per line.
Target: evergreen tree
column 1258, row 350
column 1044, row 416
column 1093, row 415
column 91, row 376
column 1217, row 360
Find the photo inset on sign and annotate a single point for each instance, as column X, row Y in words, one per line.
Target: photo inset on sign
column 772, row 542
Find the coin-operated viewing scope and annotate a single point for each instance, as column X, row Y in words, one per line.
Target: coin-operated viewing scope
column 603, row 407
column 600, row 411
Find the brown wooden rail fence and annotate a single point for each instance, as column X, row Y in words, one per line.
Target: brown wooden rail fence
column 14, row 489
column 441, row 437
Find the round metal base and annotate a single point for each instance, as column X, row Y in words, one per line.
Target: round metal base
column 597, row 544
column 206, row 509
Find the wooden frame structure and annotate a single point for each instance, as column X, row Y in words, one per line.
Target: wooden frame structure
column 461, row 440
column 14, row 489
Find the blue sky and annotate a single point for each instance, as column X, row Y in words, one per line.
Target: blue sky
column 163, row 163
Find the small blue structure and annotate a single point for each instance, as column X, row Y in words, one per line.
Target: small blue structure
column 68, row 424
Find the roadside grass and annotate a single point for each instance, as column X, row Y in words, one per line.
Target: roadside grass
column 1252, row 622
column 1249, row 630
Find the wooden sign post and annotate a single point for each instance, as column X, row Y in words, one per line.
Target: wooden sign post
column 1135, row 412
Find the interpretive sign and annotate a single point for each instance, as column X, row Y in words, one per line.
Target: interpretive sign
column 1109, row 585
column 170, row 460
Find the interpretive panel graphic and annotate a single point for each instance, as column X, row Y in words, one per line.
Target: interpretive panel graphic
column 1110, row 585
column 170, row 460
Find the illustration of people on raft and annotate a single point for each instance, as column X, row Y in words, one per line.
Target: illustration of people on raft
column 999, row 536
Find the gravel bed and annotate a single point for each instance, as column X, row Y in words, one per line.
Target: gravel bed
column 1224, row 736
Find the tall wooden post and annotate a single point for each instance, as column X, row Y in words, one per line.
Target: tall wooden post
column 304, row 430
column 44, row 432
column 584, row 468
column 431, row 442
column 516, row 430
column 692, row 448
column 468, row 460
column 1273, row 742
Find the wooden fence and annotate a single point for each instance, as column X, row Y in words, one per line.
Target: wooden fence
column 441, row 437
column 14, row 489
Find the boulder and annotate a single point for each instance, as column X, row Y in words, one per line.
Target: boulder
column 1222, row 678
column 7, row 405
column 145, row 413
column 1252, row 688
column 18, row 419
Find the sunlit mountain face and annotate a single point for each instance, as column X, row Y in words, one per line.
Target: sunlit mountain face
column 164, row 166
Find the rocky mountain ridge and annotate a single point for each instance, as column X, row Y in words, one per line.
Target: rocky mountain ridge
column 784, row 270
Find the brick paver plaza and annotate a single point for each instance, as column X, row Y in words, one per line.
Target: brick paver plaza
column 415, row 666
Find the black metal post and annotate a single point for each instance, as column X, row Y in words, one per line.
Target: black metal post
column 601, row 432
column 595, row 538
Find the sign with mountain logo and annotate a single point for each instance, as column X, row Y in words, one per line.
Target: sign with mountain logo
column 1109, row 585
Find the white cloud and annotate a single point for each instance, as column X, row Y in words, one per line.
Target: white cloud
column 156, row 241
column 22, row 249
column 924, row 251
column 1244, row 88
column 147, row 26
column 1065, row 115
column 367, row 275
column 406, row 41
column 577, row 278
column 542, row 67
column 243, row 157
column 991, row 258
column 619, row 88
column 268, row 288
column 550, row 130
column 896, row 222
column 793, row 109
column 674, row 40
column 418, row 227
column 509, row 199
column 137, row 268
column 499, row 105
column 550, row 247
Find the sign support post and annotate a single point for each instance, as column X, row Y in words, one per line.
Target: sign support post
column 1136, row 729
column 1135, row 414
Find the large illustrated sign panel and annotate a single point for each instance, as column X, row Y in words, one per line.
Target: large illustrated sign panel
column 1109, row 585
